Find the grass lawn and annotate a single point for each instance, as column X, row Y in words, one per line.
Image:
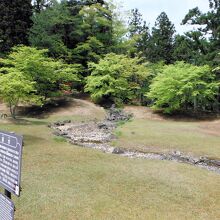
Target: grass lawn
column 65, row 182
column 166, row 135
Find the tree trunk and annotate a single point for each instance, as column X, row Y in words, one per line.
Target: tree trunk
column 13, row 110
column 218, row 101
column 195, row 103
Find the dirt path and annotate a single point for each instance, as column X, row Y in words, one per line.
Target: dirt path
column 71, row 107
column 3, row 108
column 141, row 112
column 80, row 107
column 212, row 128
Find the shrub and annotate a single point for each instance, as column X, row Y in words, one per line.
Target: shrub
column 182, row 86
column 117, row 78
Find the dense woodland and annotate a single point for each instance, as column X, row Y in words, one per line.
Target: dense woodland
column 50, row 49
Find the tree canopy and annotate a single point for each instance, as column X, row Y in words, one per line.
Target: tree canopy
column 48, row 75
column 183, row 86
column 15, row 17
column 208, row 26
column 15, row 89
column 117, row 78
column 95, row 47
column 74, row 31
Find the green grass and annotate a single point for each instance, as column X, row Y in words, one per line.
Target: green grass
column 165, row 136
column 64, row 182
column 59, row 139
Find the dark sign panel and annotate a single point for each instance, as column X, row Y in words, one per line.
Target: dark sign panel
column 7, row 208
column 10, row 162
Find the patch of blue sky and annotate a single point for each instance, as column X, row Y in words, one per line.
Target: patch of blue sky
column 175, row 9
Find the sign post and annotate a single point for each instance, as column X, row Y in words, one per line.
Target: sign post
column 10, row 171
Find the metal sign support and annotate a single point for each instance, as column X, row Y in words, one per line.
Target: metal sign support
column 7, row 194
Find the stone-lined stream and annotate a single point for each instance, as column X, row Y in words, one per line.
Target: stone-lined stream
column 98, row 135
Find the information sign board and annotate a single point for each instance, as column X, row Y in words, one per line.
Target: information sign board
column 10, row 161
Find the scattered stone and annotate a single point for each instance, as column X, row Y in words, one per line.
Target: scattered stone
column 116, row 115
column 59, row 123
column 60, row 133
column 118, row 151
column 177, row 153
column 216, row 163
column 106, row 125
column 67, row 121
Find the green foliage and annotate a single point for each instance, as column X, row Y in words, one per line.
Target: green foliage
column 135, row 23
column 86, row 32
column 15, row 88
column 139, row 35
column 218, row 68
column 117, row 78
column 97, row 22
column 48, row 30
column 183, row 49
column 89, row 51
column 161, row 41
column 192, row 47
column 15, row 23
column 119, row 28
column 155, row 45
column 40, row 5
column 49, row 76
column 208, row 23
column 144, row 43
column 74, row 31
column 183, row 86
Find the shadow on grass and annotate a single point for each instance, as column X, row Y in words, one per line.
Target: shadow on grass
column 45, row 111
column 188, row 116
column 32, row 139
column 24, row 121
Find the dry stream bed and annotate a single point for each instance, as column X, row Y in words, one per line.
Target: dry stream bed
column 98, row 135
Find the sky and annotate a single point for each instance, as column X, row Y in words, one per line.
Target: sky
column 175, row 9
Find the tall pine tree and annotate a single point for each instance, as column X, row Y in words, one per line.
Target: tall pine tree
column 144, row 41
column 135, row 22
column 162, row 39
column 208, row 27
column 15, row 17
column 139, row 34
